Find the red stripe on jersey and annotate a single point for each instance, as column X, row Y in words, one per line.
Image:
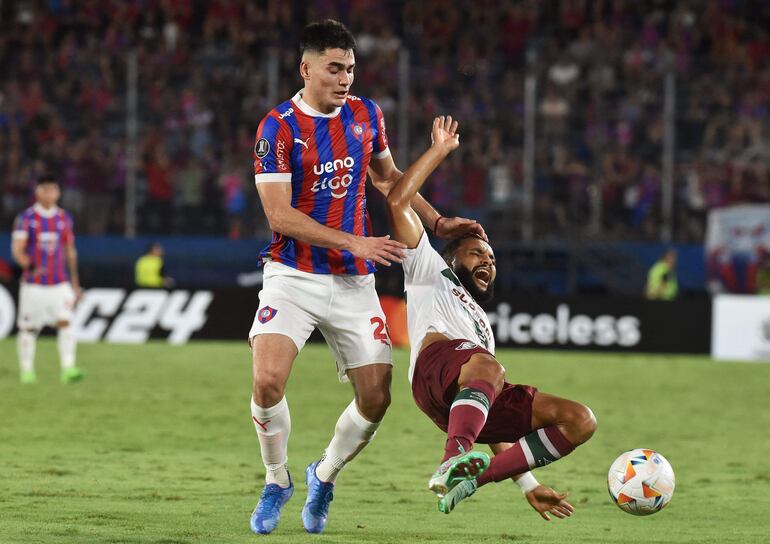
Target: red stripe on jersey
column 63, row 244
column 50, row 227
column 38, row 252
column 361, row 115
column 275, row 247
column 382, row 137
column 336, row 210
column 306, row 198
column 25, row 227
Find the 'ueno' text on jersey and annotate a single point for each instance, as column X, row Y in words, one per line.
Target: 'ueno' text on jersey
column 326, row 158
column 436, row 301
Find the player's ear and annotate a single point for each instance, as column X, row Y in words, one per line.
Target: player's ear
column 304, row 69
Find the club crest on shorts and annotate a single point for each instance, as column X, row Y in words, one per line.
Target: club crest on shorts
column 466, row 345
column 265, row 314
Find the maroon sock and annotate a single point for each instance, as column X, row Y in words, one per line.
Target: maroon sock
column 467, row 416
column 537, row 449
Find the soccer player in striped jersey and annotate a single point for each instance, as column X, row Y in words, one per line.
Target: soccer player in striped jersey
column 311, row 160
column 43, row 245
column 456, row 379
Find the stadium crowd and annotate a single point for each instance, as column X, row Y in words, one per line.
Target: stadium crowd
column 600, row 68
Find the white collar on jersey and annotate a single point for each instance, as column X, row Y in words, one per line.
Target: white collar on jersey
column 48, row 213
column 307, row 110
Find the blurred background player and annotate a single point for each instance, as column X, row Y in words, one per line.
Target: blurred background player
column 43, row 245
column 149, row 269
column 661, row 279
column 311, row 159
column 455, row 377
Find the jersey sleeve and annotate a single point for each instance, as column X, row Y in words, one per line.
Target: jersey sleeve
column 272, row 149
column 422, row 265
column 20, row 228
column 68, row 234
column 380, row 148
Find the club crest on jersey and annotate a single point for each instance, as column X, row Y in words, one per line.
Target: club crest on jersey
column 466, row 345
column 358, row 131
column 261, row 148
column 265, row 314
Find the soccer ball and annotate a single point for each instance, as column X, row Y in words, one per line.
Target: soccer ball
column 641, row 482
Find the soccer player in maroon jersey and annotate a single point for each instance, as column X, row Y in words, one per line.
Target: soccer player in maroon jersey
column 311, row 160
column 43, row 245
column 456, row 379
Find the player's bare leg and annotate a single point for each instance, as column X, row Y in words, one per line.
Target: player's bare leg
column 574, row 420
column 26, row 341
column 479, row 383
column 559, row 426
column 355, row 428
column 66, row 344
column 272, row 358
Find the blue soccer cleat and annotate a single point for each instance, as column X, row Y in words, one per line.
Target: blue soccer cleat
column 266, row 515
column 319, row 495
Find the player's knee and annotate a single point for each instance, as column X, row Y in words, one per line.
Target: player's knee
column 374, row 404
column 493, row 372
column 583, row 423
column 267, row 388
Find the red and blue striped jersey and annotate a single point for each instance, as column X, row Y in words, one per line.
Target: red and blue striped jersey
column 47, row 233
column 326, row 158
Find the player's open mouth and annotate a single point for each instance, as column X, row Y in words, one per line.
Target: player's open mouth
column 341, row 94
column 482, row 275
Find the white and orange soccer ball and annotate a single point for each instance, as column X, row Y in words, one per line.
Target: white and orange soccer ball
column 641, row 482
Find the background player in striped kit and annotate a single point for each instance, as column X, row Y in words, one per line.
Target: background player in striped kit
column 455, row 377
column 311, row 159
column 43, row 245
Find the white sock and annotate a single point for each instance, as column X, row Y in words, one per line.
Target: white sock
column 66, row 342
column 25, row 348
column 352, row 433
column 273, row 426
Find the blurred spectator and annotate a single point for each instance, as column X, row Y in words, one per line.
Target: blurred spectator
column 149, row 270
column 763, row 274
column 661, row 279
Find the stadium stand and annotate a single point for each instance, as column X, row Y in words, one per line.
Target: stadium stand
column 599, row 67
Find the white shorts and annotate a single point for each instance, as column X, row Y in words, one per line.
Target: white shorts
column 344, row 308
column 44, row 305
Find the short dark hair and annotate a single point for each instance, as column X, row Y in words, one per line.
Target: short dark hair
column 47, row 178
column 328, row 34
column 449, row 249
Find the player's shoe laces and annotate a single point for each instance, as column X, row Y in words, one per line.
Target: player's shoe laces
column 461, row 467
column 28, row 377
column 319, row 495
column 461, row 491
column 72, row 375
column 265, row 517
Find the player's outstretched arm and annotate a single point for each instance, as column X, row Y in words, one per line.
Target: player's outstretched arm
column 283, row 219
column 404, row 221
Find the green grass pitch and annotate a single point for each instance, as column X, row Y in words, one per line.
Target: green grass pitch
column 157, row 446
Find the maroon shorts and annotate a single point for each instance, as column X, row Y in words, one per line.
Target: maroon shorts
column 434, row 387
